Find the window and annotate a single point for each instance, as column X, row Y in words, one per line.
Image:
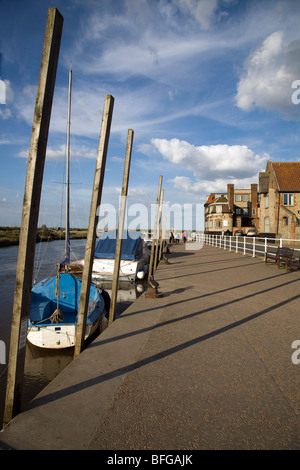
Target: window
column 267, row 225
column 210, row 224
column 245, row 211
column 285, row 221
column 218, row 223
column 267, row 201
column 245, row 197
column 288, row 199
column 238, row 211
column 238, row 197
column 218, row 209
column 253, row 211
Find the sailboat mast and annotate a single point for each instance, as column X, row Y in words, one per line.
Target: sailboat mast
column 67, row 233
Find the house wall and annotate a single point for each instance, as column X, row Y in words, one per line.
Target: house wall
column 288, row 218
column 268, row 210
column 236, row 213
column 283, row 220
column 213, row 219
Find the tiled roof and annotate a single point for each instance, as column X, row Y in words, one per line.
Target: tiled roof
column 210, row 200
column 221, row 199
column 287, row 175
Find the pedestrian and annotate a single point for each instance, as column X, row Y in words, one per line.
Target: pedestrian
column 184, row 236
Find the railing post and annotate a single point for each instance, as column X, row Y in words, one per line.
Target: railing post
column 237, row 244
column 253, row 251
column 266, row 245
column 230, row 243
column 244, row 246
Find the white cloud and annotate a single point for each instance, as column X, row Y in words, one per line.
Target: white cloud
column 201, row 10
column 59, row 153
column 204, row 187
column 213, row 166
column 5, row 113
column 213, row 161
column 268, row 76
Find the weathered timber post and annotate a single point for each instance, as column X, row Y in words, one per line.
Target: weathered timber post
column 30, row 214
column 162, row 235
column 158, row 232
column 119, row 240
column 93, row 220
column 154, row 229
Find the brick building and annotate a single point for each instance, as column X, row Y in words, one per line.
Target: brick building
column 279, row 193
column 238, row 208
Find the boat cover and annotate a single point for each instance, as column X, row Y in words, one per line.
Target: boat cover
column 43, row 300
column 132, row 246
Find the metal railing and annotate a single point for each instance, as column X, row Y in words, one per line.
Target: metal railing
column 255, row 246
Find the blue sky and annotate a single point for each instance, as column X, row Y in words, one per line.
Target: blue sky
column 206, row 85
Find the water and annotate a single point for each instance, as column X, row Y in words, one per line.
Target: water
column 41, row 365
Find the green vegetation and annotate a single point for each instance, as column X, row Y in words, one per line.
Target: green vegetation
column 10, row 235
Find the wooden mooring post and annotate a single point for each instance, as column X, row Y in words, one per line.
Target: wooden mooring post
column 152, row 292
column 119, row 240
column 93, row 221
column 157, row 249
column 154, row 228
column 30, row 214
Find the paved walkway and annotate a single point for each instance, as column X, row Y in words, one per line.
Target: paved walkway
column 207, row 366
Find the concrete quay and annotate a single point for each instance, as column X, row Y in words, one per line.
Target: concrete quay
column 210, row 365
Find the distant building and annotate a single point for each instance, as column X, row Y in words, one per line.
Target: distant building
column 236, row 209
column 279, row 192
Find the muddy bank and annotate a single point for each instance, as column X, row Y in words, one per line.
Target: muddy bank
column 9, row 236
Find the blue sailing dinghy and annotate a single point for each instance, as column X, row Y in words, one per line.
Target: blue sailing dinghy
column 54, row 311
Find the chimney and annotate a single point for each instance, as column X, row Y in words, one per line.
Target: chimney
column 230, row 195
column 254, row 196
column 254, row 205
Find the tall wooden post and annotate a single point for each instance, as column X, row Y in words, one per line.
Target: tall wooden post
column 158, row 232
column 154, row 228
column 162, row 237
column 31, row 205
column 93, row 220
column 119, row 240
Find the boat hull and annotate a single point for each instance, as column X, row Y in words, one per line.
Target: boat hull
column 57, row 336
column 103, row 269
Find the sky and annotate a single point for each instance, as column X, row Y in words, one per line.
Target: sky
column 211, row 89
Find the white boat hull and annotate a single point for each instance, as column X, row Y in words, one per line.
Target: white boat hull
column 104, row 269
column 57, row 336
